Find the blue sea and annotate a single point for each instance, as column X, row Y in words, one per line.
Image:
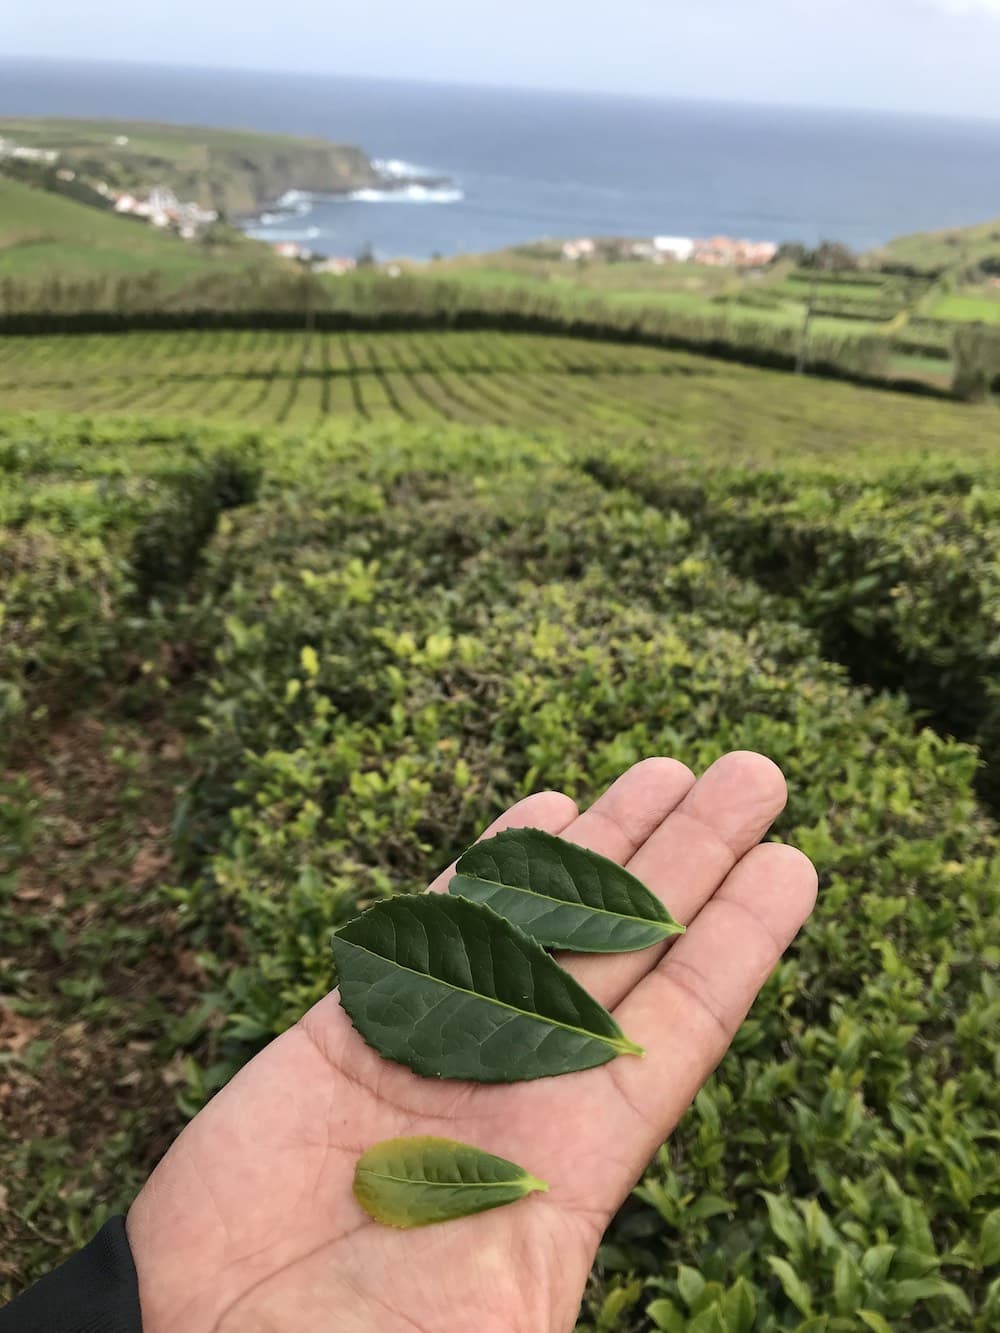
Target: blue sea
column 522, row 165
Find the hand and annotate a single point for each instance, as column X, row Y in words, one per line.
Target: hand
column 249, row 1223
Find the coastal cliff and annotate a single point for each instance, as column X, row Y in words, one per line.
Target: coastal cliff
column 233, row 171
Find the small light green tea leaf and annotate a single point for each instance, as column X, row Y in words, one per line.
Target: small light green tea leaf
column 795, row 1289
column 875, row 1262
column 873, row 1320
column 414, row 1182
column 666, row 1317
column 912, row 1290
column 562, row 895
column 988, row 1249
column 847, row 1283
column 690, row 1284
column 451, row 990
column 740, row 1307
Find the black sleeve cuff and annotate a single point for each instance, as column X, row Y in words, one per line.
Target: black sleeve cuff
column 95, row 1291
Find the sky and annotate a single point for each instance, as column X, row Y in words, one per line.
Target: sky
column 940, row 56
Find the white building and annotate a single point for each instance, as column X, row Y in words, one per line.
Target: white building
column 337, row 266
column 8, row 148
column 679, row 248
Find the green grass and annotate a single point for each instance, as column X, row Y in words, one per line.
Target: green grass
column 954, row 249
column 964, row 309
column 46, row 237
column 234, row 170
column 915, row 365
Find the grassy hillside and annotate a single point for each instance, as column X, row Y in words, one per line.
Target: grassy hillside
column 45, row 236
column 954, row 249
column 943, row 284
column 251, row 679
column 234, row 171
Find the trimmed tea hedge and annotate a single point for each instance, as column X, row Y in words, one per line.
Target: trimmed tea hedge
column 900, row 577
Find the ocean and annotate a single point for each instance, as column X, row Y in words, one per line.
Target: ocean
column 523, row 165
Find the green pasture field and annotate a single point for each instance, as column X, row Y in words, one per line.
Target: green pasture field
column 516, row 562
column 954, row 249
column 685, row 289
column 46, row 237
column 967, row 309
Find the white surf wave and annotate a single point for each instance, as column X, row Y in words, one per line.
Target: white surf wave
column 396, row 169
column 294, row 199
column 410, row 188
column 410, row 194
column 293, row 204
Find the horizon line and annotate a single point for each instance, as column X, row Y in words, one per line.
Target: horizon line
column 133, row 62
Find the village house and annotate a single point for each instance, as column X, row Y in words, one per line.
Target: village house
column 8, row 148
column 678, row 248
column 335, row 266
column 163, row 209
column 724, row 252
column 583, row 248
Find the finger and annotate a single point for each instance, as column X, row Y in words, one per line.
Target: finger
column 548, row 810
column 685, row 859
column 619, row 821
column 632, row 808
column 686, row 1012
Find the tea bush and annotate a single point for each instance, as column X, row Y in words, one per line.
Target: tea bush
column 900, row 577
column 83, row 534
column 402, row 631
column 422, row 648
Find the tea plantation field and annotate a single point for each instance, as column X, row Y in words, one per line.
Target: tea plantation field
column 286, row 621
column 689, row 404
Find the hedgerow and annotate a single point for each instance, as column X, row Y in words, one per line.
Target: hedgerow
column 900, row 577
column 86, row 541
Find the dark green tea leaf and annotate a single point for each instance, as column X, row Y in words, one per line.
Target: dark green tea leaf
column 450, row 989
column 414, row 1182
column 562, row 895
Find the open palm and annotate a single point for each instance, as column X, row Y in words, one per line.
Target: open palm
column 249, row 1222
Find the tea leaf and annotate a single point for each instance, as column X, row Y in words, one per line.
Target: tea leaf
column 873, row 1320
column 450, row 989
column 414, row 1182
column 564, row 896
column 795, row 1289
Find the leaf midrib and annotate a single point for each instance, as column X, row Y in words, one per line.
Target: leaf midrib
column 621, row 1044
column 668, row 928
column 441, row 1184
